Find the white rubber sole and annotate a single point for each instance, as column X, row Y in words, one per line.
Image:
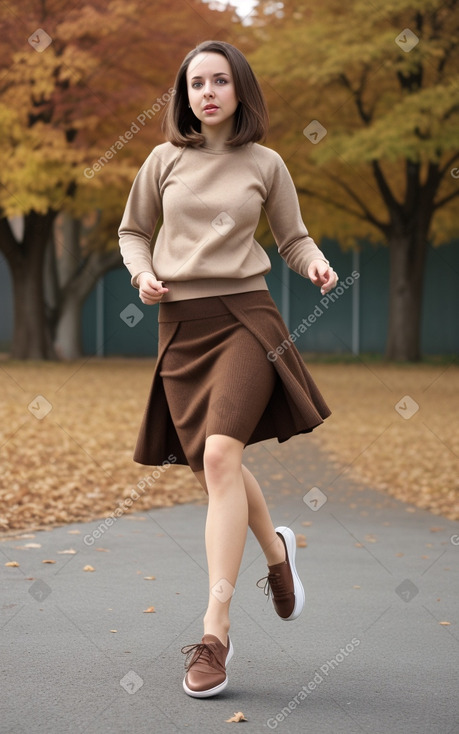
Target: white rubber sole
column 290, row 543
column 216, row 689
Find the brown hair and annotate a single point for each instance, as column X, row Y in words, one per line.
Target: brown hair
column 181, row 126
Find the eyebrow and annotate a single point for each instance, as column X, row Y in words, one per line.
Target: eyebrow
column 219, row 73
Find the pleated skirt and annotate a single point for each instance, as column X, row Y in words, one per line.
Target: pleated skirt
column 226, row 365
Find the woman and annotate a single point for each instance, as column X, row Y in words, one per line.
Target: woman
column 215, row 389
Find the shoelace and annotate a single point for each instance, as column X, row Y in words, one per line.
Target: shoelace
column 202, row 650
column 273, row 581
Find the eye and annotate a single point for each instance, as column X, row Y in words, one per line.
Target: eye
column 196, row 85
column 223, row 81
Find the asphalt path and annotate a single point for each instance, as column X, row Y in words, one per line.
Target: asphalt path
column 375, row 650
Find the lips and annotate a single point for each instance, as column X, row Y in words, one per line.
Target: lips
column 210, row 107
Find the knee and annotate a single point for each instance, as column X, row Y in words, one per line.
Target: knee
column 222, row 456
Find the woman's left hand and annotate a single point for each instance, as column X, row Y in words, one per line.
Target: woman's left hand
column 322, row 275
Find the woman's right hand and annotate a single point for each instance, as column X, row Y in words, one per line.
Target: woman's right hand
column 150, row 290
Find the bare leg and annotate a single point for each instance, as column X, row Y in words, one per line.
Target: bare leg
column 226, row 527
column 259, row 518
column 260, row 521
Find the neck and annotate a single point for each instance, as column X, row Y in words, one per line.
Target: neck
column 216, row 136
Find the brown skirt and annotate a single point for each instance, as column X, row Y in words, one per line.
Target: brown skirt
column 218, row 372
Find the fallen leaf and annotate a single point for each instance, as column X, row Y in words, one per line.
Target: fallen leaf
column 150, row 578
column 33, row 497
column 150, row 609
column 88, row 568
column 47, row 560
column 436, row 528
column 358, row 545
column 238, row 716
column 399, row 555
column 68, row 552
column 102, row 550
column 356, row 587
column 301, row 541
column 370, row 538
column 32, row 545
column 12, row 564
column 307, row 523
column 113, row 630
column 445, row 624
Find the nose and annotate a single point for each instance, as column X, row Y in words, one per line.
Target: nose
column 208, row 91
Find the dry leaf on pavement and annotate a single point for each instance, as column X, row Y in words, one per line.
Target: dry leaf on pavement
column 238, row 716
column 150, row 609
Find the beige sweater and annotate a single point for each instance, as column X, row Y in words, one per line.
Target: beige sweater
column 210, row 202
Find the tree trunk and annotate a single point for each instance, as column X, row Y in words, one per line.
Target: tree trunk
column 407, row 263
column 31, row 335
column 68, row 332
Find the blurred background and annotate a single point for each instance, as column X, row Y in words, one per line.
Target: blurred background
column 364, row 109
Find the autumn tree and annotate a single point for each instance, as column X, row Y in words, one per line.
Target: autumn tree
column 364, row 107
column 73, row 82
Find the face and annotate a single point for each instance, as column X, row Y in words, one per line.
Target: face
column 211, row 91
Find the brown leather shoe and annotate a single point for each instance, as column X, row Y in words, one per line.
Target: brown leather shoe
column 283, row 583
column 206, row 667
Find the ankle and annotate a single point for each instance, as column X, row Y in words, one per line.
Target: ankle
column 218, row 628
column 275, row 553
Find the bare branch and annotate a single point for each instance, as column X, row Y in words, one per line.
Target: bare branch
column 446, row 199
column 449, row 163
column 341, row 207
column 389, row 198
column 332, row 202
column 413, row 185
column 366, row 213
column 8, row 244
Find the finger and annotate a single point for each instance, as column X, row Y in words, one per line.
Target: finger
column 153, row 292
column 315, row 276
column 149, row 298
column 328, row 285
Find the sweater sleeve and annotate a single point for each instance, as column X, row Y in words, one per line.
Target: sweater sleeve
column 282, row 208
column 143, row 209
